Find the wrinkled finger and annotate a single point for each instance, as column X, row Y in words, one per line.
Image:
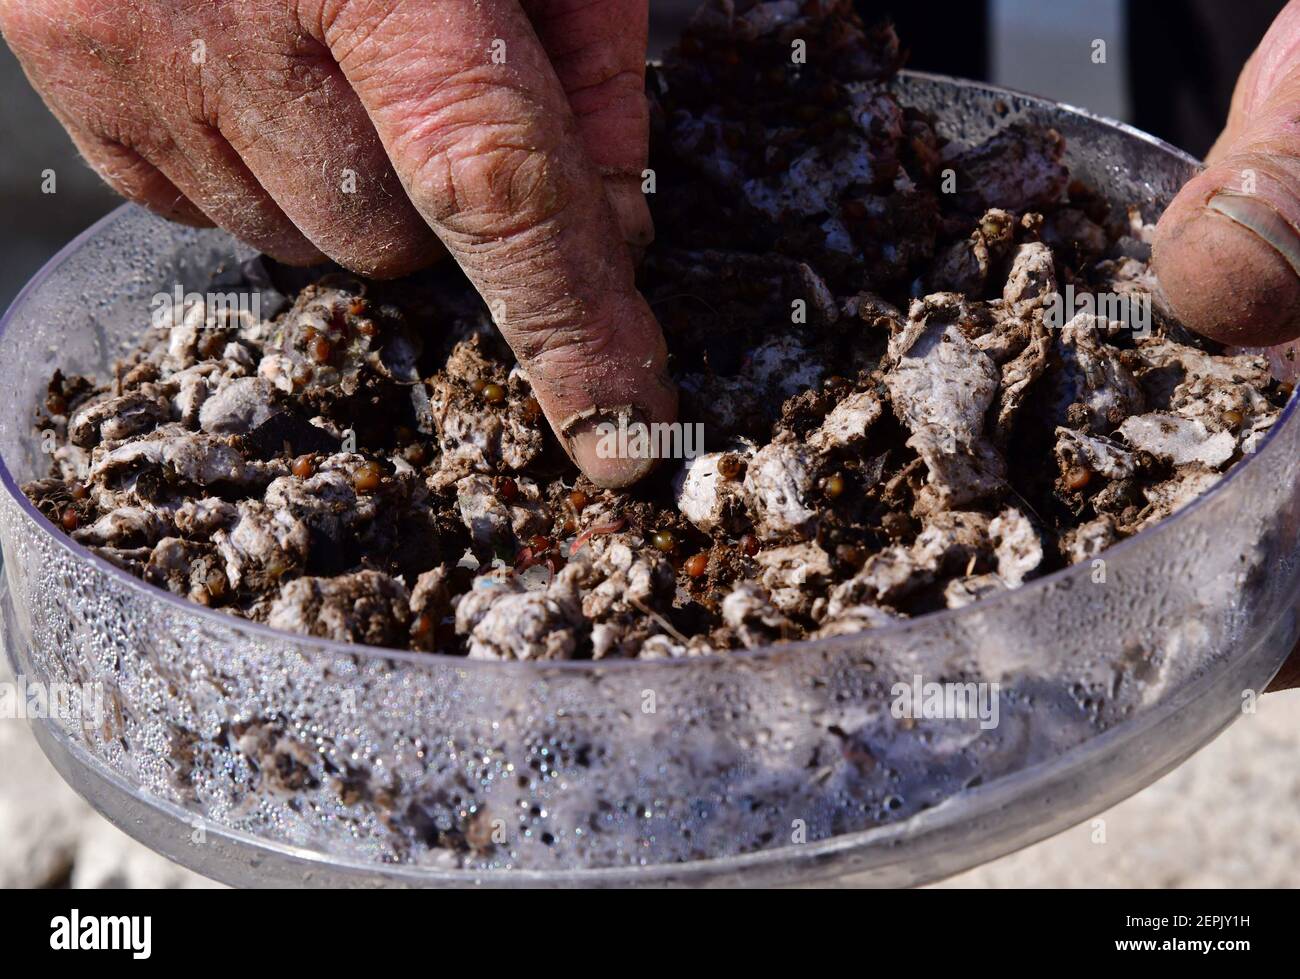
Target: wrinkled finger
column 480, row 132
column 197, row 158
column 299, row 128
column 136, row 179
column 101, row 76
column 598, row 50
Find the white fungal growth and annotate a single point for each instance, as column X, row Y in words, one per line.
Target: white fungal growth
column 847, row 422
column 778, row 487
column 705, row 497
column 1033, row 275
column 1095, row 452
column 1179, row 440
column 1016, row 546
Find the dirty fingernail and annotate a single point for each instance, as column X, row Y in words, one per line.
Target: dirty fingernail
column 605, row 446
column 1255, row 215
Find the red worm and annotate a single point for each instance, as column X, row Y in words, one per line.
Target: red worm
column 596, row 531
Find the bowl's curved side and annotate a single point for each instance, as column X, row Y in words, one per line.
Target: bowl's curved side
column 322, row 763
column 980, row 824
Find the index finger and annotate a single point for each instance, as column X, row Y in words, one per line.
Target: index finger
column 478, row 128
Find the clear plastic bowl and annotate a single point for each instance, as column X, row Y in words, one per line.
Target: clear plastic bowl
column 258, row 757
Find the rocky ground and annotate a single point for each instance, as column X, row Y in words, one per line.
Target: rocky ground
column 49, row 837
column 1226, row 818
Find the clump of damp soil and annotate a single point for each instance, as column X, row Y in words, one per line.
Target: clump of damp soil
column 894, row 420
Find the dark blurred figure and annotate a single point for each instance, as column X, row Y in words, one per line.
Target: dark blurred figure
column 947, row 38
column 1184, row 58
column 1184, row 55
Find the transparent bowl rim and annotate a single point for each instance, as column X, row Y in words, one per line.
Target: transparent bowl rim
column 931, row 620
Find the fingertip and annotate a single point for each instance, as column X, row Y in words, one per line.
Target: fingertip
column 298, row 253
column 609, row 398
column 1229, row 266
column 401, row 260
column 618, row 447
column 607, row 472
column 182, row 211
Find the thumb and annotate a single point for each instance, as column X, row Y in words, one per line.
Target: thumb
column 480, row 131
column 1227, row 250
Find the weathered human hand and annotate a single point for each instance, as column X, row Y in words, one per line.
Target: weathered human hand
column 1227, row 251
column 514, row 133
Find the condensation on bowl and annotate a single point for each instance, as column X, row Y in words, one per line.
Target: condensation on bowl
column 260, row 757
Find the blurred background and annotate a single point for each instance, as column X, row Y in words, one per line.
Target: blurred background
column 1225, row 818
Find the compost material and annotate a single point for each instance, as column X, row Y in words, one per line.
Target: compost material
column 901, row 411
